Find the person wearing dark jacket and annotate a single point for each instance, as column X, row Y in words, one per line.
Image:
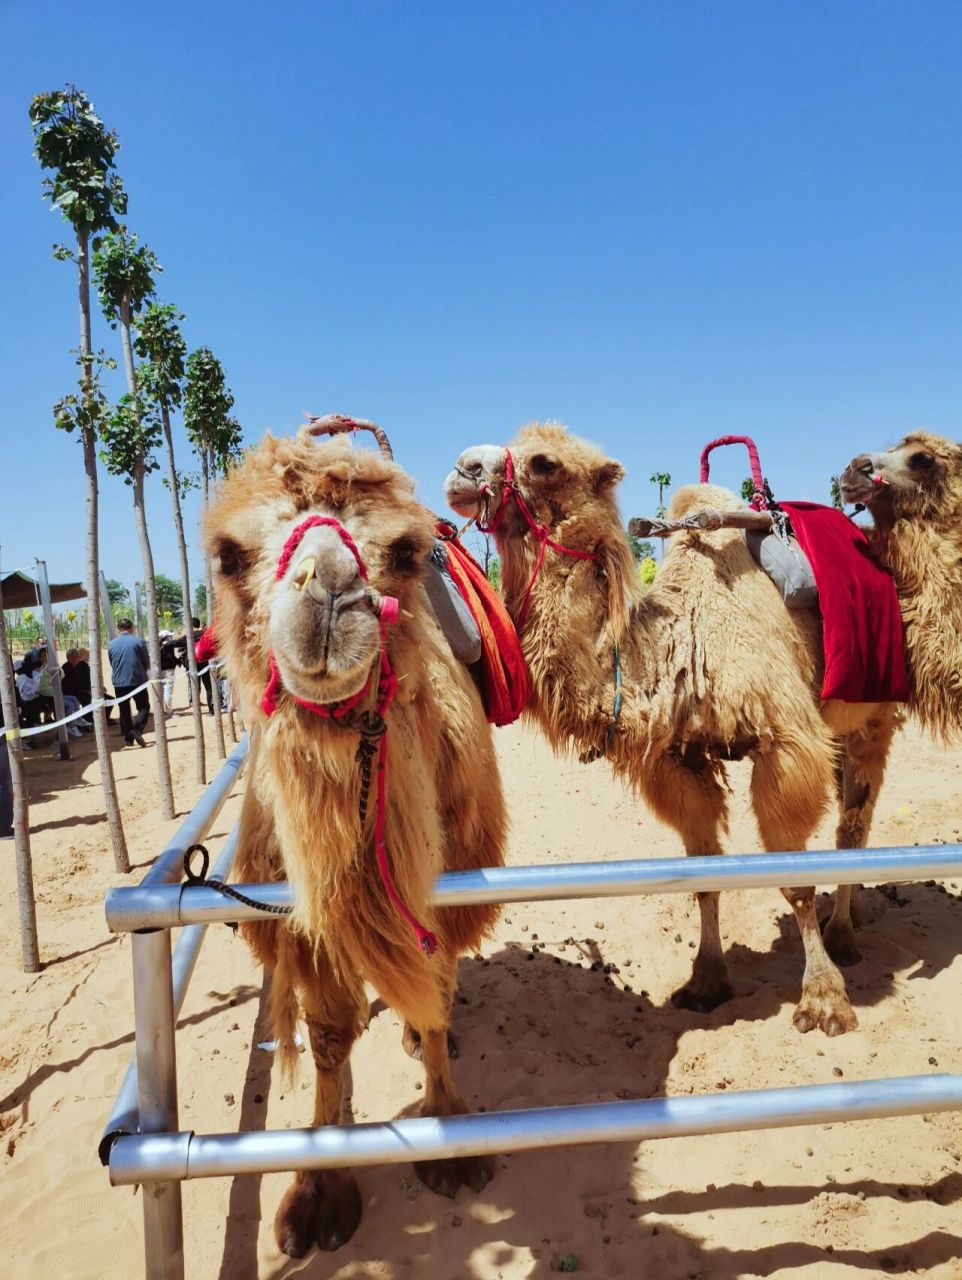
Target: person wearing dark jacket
column 129, row 668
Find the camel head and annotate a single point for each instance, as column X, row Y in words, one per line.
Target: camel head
column 297, row 591
column 921, row 476
column 567, row 485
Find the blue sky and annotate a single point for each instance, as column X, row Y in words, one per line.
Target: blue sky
column 656, row 222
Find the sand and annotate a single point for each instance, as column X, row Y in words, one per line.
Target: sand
column 543, row 1026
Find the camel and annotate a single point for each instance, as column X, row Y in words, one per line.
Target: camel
column 707, row 666
column 325, row 629
column 914, row 494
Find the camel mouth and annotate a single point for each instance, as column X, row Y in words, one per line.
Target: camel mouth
column 462, row 495
column 324, row 651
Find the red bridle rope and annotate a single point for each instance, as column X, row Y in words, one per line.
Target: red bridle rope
column 540, row 531
column 386, row 689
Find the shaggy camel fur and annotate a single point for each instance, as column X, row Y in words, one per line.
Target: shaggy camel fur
column 914, row 493
column 300, row 820
column 715, row 668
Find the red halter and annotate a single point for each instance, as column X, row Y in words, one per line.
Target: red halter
column 511, row 490
column 386, row 689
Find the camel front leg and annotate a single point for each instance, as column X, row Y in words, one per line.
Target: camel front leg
column 323, row 1206
column 442, row 1099
column 685, row 791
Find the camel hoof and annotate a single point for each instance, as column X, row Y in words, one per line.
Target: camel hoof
column 411, row 1044
column 700, row 999
column 323, row 1209
column 443, row 1177
column 339, row 1212
column 840, row 945
column 476, row 1172
column 294, row 1220
column 824, row 1007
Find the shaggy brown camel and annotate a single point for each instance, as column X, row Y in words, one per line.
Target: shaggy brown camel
column 317, row 548
column 713, row 667
column 914, row 493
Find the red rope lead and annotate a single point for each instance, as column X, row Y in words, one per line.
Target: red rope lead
column 539, row 530
column 386, row 689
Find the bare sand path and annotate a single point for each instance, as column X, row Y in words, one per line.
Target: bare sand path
column 535, row 1026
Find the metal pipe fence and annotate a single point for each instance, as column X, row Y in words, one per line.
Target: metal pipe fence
column 143, row 1143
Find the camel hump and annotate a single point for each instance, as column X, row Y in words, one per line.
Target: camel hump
column 698, row 497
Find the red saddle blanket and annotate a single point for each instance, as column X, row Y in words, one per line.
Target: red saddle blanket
column 861, row 621
column 505, row 682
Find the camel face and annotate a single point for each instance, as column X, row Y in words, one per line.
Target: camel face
column 295, row 589
column 557, row 474
column 914, row 478
column 481, row 464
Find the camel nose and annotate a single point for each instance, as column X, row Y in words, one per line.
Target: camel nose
column 324, row 567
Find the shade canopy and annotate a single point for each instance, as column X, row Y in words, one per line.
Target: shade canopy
column 22, row 592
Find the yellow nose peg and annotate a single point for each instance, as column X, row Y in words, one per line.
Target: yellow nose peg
column 304, row 572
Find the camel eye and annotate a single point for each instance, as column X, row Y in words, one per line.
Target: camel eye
column 541, row 465
column 232, row 559
column 922, row 461
column 403, row 556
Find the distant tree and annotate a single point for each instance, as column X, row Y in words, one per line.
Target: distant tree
column 748, row 489
column 124, row 271
column 117, row 593
column 169, row 596
column 836, row 490
column 162, row 350
column 494, row 572
column 215, row 435
column 640, row 550
column 662, row 479
column 74, row 145
column 647, row 570
column 200, row 601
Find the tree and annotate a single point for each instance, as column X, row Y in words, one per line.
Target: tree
column 124, row 272
column 837, row 494
column 73, row 144
column 169, row 597
column 640, row 550
column 117, row 593
column 215, row 436
column 162, row 350
column 200, row 601
column 662, row 479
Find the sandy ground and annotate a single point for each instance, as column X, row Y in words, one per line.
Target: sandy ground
column 543, row 1026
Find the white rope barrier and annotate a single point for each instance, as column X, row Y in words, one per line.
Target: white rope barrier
column 17, row 732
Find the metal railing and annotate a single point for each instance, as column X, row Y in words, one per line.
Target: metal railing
column 142, row 1143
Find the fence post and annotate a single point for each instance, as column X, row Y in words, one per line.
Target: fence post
column 154, row 1020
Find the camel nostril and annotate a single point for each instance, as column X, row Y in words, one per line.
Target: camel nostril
column 304, row 573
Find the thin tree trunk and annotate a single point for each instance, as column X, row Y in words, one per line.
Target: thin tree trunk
column 200, row 759
column 21, row 810
column 92, row 584
column 205, row 471
column 150, row 592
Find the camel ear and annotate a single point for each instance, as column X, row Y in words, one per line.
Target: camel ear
column 608, row 475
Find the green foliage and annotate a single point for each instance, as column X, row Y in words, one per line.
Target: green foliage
column 837, row 494
column 117, row 592
column 85, row 412
column 207, row 405
column 169, row 600
column 200, row 601
column 662, row 479
column 130, row 433
column 640, row 550
column 647, row 570
column 123, row 272
column 162, row 351
column 748, row 489
column 494, row 573
column 72, row 141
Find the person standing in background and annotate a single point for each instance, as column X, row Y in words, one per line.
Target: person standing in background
column 129, row 668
